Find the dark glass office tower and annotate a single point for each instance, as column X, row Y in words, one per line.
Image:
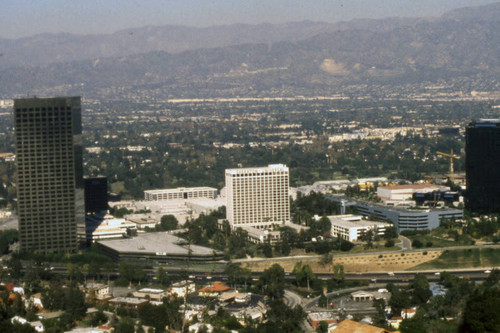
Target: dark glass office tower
column 50, row 180
column 482, row 166
column 96, row 194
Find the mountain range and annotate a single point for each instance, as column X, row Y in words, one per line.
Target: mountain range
column 459, row 49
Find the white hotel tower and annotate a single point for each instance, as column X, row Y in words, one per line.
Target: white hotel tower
column 258, row 197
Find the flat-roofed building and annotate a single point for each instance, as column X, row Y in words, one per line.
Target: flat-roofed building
column 129, row 302
column 100, row 290
column 258, row 197
column 157, row 248
column 5, row 213
column 96, row 194
column 314, row 318
column 482, row 161
column 409, row 219
column 180, row 289
column 180, row 193
column 153, row 294
column 397, row 193
column 142, row 221
column 268, row 235
column 351, row 227
column 50, row 198
column 104, row 226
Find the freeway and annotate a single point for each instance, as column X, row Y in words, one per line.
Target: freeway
column 473, row 274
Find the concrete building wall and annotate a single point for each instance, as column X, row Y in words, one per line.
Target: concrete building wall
column 258, row 196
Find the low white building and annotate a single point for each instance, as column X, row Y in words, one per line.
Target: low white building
column 204, row 205
column 5, row 213
column 253, row 312
column 269, row 235
column 351, row 227
column 180, row 193
column 200, row 327
column 100, row 290
column 153, row 294
column 99, row 227
column 37, row 325
column 129, row 302
column 180, row 289
column 142, row 221
column 90, row 330
column 361, row 295
column 398, row 193
column 182, row 209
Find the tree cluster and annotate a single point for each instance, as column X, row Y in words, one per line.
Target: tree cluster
column 70, row 299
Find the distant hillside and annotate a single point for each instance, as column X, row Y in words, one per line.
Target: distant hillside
column 55, row 48
column 461, row 48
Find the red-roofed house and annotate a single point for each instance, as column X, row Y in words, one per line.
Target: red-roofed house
column 408, row 313
column 213, row 290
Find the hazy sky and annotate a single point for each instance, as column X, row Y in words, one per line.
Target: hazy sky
column 20, row 18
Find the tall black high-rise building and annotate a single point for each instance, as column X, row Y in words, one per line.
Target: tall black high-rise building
column 482, row 166
column 50, row 179
column 96, row 194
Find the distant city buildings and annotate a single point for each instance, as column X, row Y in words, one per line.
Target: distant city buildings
column 49, row 165
column 258, row 197
column 180, row 193
column 482, row 166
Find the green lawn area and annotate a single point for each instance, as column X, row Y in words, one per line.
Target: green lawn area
column 377, row 248
column 436, row 241
column 118, row 187
column 464, row 258
column 439, row 237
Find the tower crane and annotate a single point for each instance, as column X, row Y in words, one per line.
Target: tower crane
column 451, row 156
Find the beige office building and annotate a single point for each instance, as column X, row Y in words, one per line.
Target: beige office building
column 258, row 197
column 49, row 165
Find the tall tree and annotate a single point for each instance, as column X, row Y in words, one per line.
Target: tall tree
column 303, row 274
column 481, row 312
column 400, row 299
column 168, row 222
column 421, row 292
column 272, row 281
column 379, row 319
column 162, row 277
